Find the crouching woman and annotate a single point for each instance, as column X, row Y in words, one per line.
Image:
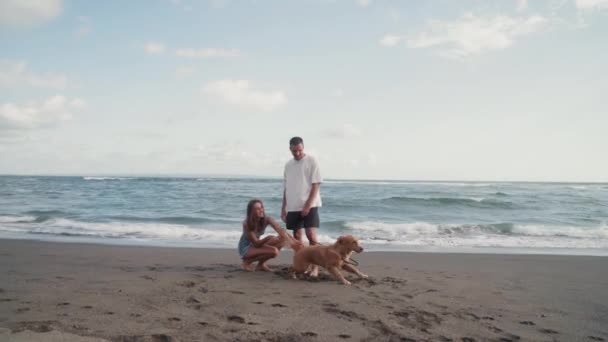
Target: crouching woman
column 251, row 247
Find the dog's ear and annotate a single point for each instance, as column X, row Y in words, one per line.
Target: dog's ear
column 341, row 239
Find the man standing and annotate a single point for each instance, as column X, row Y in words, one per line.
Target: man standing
column 301, row 195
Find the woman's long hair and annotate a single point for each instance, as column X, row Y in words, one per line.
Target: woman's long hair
column 254, row 223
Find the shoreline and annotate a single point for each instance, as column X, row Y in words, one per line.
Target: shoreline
column 592, row 252
column 141, row 293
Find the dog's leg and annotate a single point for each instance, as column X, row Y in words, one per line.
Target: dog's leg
column 298, row 269
column 336, row 273
column 352, row 269
column 313, row 271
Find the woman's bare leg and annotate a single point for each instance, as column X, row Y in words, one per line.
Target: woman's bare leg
column 261, row 255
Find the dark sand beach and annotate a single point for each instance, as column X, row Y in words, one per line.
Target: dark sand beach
column 82, row 292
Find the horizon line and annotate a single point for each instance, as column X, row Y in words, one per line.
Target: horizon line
column 193, row 175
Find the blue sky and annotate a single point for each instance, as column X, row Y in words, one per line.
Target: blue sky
column 429, row 90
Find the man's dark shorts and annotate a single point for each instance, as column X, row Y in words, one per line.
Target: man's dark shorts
column 295, row 220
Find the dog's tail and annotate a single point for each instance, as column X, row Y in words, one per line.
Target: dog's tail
column 288, row 241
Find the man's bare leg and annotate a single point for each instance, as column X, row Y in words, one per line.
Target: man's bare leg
column 297, row 234
column 311, row 234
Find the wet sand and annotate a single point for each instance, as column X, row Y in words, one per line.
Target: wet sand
column 84, row 292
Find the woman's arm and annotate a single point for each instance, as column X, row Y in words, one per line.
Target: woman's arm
column 255, row 241
column 274, row 224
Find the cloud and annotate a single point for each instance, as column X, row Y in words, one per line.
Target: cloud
column 390, row 40
column 154, row 48
column 239, row 154
column 84, row 27
column 207, row 53
column 342, row 132
column 591, row 4
column 16, row 73
column 337, row 92
column 474, row 35
column 183, row 71
column 364, row 3
column 522, row 5
column 24, row 13
column 240, row 93
column 34, row 115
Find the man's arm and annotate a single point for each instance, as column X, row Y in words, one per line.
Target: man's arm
column 311, row 198
column 284, row 208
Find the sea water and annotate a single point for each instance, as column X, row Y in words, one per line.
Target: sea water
column 495, row 217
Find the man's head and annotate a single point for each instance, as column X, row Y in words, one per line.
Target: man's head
column 296, row 146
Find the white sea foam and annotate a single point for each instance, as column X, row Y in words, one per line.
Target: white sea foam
column 376, row 235
column 15, row 219
column 364, row 182
column 106, row 178
column 518, row 236
column 123, row 230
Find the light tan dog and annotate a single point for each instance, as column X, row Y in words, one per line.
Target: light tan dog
column 333, row 258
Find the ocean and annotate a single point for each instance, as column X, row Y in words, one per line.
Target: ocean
column 486, row 217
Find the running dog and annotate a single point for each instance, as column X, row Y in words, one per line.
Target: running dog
column 333, row 258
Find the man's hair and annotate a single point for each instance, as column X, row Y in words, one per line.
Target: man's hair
column 295, row 141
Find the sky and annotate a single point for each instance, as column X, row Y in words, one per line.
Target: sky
column 489, row 90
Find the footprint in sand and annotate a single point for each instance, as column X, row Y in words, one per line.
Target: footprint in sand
column 236, row 319
column 595, row 338
column 151, row 338
column 527, row 323
column 549, row 331
column 174, row 319
column 467, row 339
column 147, row 277
column 344, row 336
column 87, row 307
column 192, row 300
column 22, row 310
column 309, row 334
column 204, row 324
column 63, row 304
column 35, row 326
column 279, row 305
column 510, row 338
column 187, row 283
column 108, row 313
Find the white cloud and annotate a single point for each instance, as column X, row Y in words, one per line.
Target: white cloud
column 591, row 4
column 238, row 154
column 474, row 35
column 364, row 3
column 240, row 93
column 390, row 40
column 342, row 132
column 207, row 53
column 154, row 48
column 184, row 71
column 84, row 27
column 21, row 13
column 33, row 115
column 394, row 15
column 522, row 5
column 16, row 73
column 337, row 92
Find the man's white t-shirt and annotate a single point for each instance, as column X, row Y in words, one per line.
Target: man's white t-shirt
column 299, row 176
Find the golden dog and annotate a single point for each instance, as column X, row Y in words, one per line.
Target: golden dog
column 333, row 258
